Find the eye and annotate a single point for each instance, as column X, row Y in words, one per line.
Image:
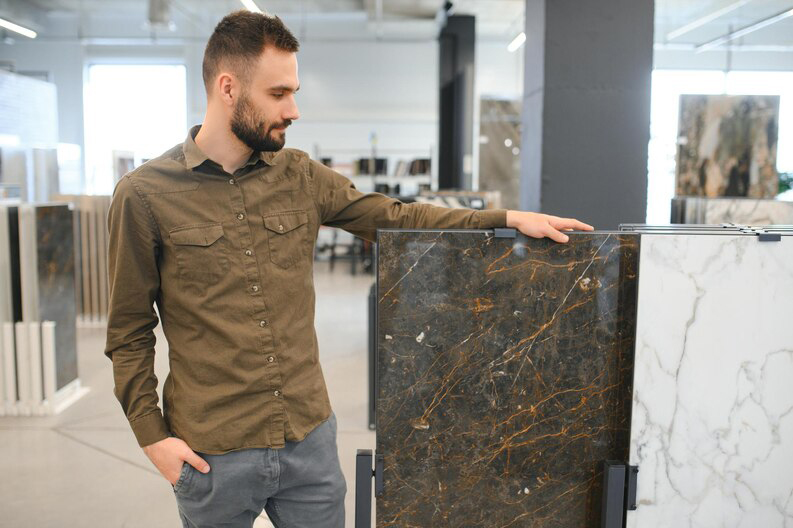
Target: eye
column 278, row 95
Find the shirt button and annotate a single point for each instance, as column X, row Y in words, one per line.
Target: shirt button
column 280, row 227
column 263, row 323
column 240, row 216
column 270, row 359
column 277, row 393
column 248, row 252
column 255, row 288
column 231, row 181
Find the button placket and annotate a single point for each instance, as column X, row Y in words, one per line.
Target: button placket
column 252, row 278
column 272, row 379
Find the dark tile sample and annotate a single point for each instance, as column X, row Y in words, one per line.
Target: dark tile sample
column 16, row 281
column 56, row 278
column 504, row 375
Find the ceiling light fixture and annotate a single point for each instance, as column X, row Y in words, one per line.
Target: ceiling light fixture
column 17, row 28
column 710, row 17
column 744, row 31
column 250, row 5
column 517, row 42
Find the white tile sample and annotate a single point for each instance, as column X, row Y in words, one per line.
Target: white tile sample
column 745, row 211
column 712, row 420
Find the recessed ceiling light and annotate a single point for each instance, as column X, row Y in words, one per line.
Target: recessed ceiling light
column 517, row 42
column 250, row 5
column 16, row 28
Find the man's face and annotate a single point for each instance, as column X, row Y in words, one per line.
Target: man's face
column 266, row 105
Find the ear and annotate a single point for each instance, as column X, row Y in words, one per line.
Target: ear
column 226, row 86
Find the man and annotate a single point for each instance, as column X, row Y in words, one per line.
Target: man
column 219, row 232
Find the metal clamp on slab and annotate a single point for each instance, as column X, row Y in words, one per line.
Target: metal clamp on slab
column 768, row 237
column 505, row 232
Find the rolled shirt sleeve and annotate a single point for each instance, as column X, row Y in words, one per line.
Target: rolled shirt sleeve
column 340, row 204
column 134, row 279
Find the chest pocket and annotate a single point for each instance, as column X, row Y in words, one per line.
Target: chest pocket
column 287, row 237
column 201, row 254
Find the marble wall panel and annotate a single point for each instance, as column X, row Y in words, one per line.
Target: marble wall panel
column 504, row 375
column 499, row 149
column 712, row 418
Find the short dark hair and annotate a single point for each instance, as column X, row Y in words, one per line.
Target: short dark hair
column 239, row 39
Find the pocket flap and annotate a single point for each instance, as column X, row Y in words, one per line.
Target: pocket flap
column 282, row 223
column 203, row 235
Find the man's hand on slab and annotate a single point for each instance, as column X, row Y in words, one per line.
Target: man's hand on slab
column 540, row 225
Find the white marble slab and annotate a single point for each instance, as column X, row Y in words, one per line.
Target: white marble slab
column 745, row 211
column 712, row 423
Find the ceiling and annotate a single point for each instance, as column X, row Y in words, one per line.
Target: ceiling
column 708, row 20
column 679, row 24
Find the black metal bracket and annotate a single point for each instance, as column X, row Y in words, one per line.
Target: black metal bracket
column 505, row 232
column 613, row 505
column 769, row 237
column 619, row 493
column 378, row 475
column 631, row 486
column 363, row 485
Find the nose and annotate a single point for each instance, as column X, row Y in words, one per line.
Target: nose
column 292, row 112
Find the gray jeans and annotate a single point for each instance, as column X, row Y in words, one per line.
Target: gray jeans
column 299, row 486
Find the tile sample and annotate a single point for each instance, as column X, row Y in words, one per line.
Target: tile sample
column 727, row 146
column 731, row 210
column 504, row 375
column 91, row 236
column 48, row 278
column 712, row 419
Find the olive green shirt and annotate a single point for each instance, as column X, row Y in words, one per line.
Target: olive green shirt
column 228, row 262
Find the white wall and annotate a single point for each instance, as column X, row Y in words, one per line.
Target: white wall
column 348, row 90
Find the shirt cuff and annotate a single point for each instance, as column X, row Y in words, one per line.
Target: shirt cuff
column 149, row 429
column 489, row 218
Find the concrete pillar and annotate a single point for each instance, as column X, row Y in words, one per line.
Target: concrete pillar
column 457, row 44
column 586, row 109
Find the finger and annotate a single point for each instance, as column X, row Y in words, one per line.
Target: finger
column 555, row 235
column 584, row 227
column 572, row 223
column 197, row 462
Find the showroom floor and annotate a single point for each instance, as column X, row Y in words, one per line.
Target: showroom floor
column 83, row 467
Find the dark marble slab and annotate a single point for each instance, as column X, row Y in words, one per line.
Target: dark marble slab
column 56, row 283
column 504, row 371
column 13, row 258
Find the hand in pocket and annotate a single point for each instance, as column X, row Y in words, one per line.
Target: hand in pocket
column 169, row 454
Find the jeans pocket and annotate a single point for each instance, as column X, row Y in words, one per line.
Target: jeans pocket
column 182, row 477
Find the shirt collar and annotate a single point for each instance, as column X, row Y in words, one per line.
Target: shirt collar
column 194, row 156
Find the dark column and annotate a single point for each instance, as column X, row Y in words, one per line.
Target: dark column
column 456, row 102
column 586, row 109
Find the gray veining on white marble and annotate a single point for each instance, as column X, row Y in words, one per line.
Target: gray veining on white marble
column 712, row 421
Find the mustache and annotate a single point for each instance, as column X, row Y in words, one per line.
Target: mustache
column 283, row 124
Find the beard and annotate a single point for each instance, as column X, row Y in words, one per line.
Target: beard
column 253, row 130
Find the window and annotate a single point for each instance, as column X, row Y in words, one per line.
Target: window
column 132, row 113
column 667, row 87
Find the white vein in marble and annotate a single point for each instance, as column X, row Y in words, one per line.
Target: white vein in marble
column 712, row 422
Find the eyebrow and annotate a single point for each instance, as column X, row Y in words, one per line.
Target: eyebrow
column 284, row 88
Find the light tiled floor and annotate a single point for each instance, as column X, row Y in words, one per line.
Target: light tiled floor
column 83, row 468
